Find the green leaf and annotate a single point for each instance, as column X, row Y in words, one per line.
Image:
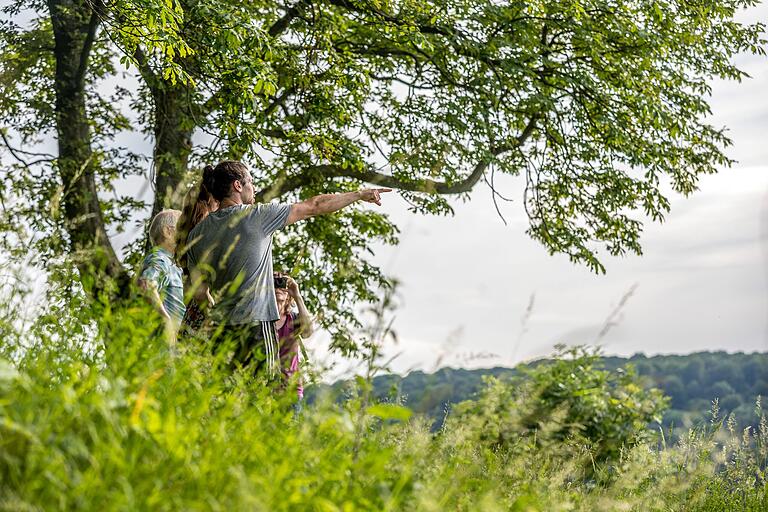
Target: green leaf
column 390, row 412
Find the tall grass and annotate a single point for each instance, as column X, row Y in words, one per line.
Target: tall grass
column 98, row 412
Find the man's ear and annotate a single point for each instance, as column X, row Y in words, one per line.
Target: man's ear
column 237, row 186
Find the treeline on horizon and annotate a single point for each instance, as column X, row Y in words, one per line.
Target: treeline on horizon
column 692, row 382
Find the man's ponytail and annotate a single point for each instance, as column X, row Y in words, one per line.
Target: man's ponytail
column 218, row 180
column 207, row 183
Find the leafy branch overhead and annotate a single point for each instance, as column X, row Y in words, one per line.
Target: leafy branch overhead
column 596, row 104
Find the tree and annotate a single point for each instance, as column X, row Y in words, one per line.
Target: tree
column 674, row 388
column 48, row 73
column 595, row 104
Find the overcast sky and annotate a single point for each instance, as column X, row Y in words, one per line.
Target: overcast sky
column 702, row 283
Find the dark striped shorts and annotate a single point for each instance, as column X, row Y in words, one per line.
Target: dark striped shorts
column 253, row 345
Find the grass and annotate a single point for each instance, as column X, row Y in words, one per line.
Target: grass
column 98, row 413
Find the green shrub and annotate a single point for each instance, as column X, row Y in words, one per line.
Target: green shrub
column 570, row 398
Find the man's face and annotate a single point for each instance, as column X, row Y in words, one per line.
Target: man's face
column 246, row 195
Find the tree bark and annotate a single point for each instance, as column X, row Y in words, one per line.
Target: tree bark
column 173, row 142
column 74, row 28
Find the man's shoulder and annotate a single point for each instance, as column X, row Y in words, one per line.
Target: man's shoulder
column 273, row 213
column 223, row 217
column 206, row 225
column 271, row 206
column 234, row 216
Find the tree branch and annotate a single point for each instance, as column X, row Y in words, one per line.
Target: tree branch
column 144, row 68
column 379, row 51
column 279, row 100
column 282, row 24
column 282, row 185
column 93, row 25
column 16, row 153
column 288, row 184
column 402, row 81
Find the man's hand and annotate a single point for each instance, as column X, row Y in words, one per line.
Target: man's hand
column 373, row 195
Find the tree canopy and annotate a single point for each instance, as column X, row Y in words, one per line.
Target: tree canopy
column 597, row 103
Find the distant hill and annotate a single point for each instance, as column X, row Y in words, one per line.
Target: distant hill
column 692, row 381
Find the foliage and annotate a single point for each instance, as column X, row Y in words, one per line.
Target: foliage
column 598, row 105
column 97, row 411
column 570, row 398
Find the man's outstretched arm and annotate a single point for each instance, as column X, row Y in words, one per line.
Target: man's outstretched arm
column 329, row 203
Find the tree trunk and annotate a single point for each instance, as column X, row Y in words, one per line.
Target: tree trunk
column 74, row 28
column 173, row 142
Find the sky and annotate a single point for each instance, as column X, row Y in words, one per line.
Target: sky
column 475, row 292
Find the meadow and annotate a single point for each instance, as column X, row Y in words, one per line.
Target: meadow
column 98, row 412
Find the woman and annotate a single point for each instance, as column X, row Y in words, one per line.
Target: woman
column 198, row 203
column 291, row 326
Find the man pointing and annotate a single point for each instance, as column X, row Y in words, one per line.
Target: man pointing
column 231, row 251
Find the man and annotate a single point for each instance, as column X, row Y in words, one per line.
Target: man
column 160, row 276
column 231, row 251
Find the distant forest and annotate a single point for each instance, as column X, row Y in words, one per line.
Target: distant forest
column 692, row 382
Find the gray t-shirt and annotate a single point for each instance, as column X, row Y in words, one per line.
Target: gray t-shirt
column 232, row 247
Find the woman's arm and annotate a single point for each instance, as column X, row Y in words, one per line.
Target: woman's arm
column 304, row 319
column 149, row 288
